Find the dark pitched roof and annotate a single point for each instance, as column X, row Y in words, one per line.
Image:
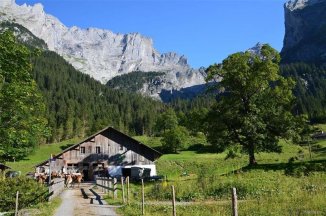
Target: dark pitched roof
column 120, row 138
column 3, row 167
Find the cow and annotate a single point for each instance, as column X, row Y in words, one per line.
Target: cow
column 41, row 177
column 77, row 178
column 55, row 174
column 68, row 180
column 71, row 179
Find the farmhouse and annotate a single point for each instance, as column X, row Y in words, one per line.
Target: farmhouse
column 107, row 151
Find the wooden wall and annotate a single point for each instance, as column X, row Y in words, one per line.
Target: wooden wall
column 111, row 154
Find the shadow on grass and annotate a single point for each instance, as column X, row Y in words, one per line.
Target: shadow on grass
column 279, row 166
column 321, row 150
column 203, row 149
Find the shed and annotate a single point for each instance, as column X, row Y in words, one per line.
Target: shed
column 3, row 167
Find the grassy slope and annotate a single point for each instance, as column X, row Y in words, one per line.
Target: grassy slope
column 200, row 177
column 39, row 155
column 206, row 179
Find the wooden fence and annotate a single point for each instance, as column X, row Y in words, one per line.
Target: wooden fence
column 109, row 185
column 56, row 187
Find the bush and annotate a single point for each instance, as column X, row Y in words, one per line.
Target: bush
column 303, row 169
column 233, row 152
column 30, row 193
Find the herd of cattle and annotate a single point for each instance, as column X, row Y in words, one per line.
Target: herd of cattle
column 70, row 179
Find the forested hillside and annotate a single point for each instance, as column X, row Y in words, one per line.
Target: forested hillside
column 133, row 81
column 78, row 105
column 310, row 89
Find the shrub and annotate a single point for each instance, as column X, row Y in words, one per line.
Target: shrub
column 303, row 169
column 233, row 152
column 30, row 193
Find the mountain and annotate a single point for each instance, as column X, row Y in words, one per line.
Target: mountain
column 159, row 85
column 305, row 31
column 304, row 55
column 23, row 35
column 101, row 53
column 78, row 105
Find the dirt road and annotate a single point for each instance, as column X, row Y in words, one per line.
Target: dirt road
column 83, row 201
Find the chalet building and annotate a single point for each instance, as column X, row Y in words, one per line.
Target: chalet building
column 107, row 151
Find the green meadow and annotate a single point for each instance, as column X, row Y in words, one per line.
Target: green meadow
column 203, row 183
column 40, row 154
column 203, row 180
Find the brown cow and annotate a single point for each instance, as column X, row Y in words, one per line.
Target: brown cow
column 71, row 179
column 41, row 178
column 68, row 180
column 55, row 174
column 77, row 178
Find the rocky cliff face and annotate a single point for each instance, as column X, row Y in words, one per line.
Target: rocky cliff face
column 305, row 31
column 101, row 53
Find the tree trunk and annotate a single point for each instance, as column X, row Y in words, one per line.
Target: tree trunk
column 252, row 159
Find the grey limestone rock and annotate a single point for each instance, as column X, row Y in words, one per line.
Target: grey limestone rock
column 101, row 53
column 305, row 31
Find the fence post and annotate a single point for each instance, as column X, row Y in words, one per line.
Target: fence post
column 234, row 202
column 174, row 212
column 106, row 186
column 123, row 190
column 142, row 197
column 16, row 210
column 110, row 187
column 128, row 190
column 115, row 192
column 103, row 185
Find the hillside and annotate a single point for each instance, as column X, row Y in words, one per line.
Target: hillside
column 150, row 84
column 303, row 55
column 133, row 82
column 101, row 53
column 310, row 89
column 202, row 181
column 78, row 105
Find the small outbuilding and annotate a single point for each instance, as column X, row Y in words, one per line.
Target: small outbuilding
column 107, row 152
column 3, row 167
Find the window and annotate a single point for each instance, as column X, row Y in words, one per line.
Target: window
column 121, row 147
column 82, row 150
column 98, row 150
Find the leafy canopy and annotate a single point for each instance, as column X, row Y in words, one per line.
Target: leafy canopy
column 175, row 139
column 253, row 107
column 21, row 105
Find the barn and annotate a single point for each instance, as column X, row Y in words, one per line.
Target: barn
column 107, row 151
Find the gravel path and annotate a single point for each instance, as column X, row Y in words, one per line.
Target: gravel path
column 83, row 201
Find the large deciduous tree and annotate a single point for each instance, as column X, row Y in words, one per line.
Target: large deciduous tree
column 253, row 107
column 175, row 139
column 22, row 122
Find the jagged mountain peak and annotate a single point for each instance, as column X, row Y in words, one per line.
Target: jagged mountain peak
column 256, row 49
column 7, row 3
column 100, row 53
column 300, row 4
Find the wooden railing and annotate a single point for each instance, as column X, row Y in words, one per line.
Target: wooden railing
column 108, row 185
column 56, row 187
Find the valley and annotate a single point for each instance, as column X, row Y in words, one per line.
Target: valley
column 89, row 116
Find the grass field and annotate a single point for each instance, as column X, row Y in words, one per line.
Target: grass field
column 40, row 154
column 203, row 181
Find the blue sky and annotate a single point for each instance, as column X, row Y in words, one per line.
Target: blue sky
column 206, row 31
